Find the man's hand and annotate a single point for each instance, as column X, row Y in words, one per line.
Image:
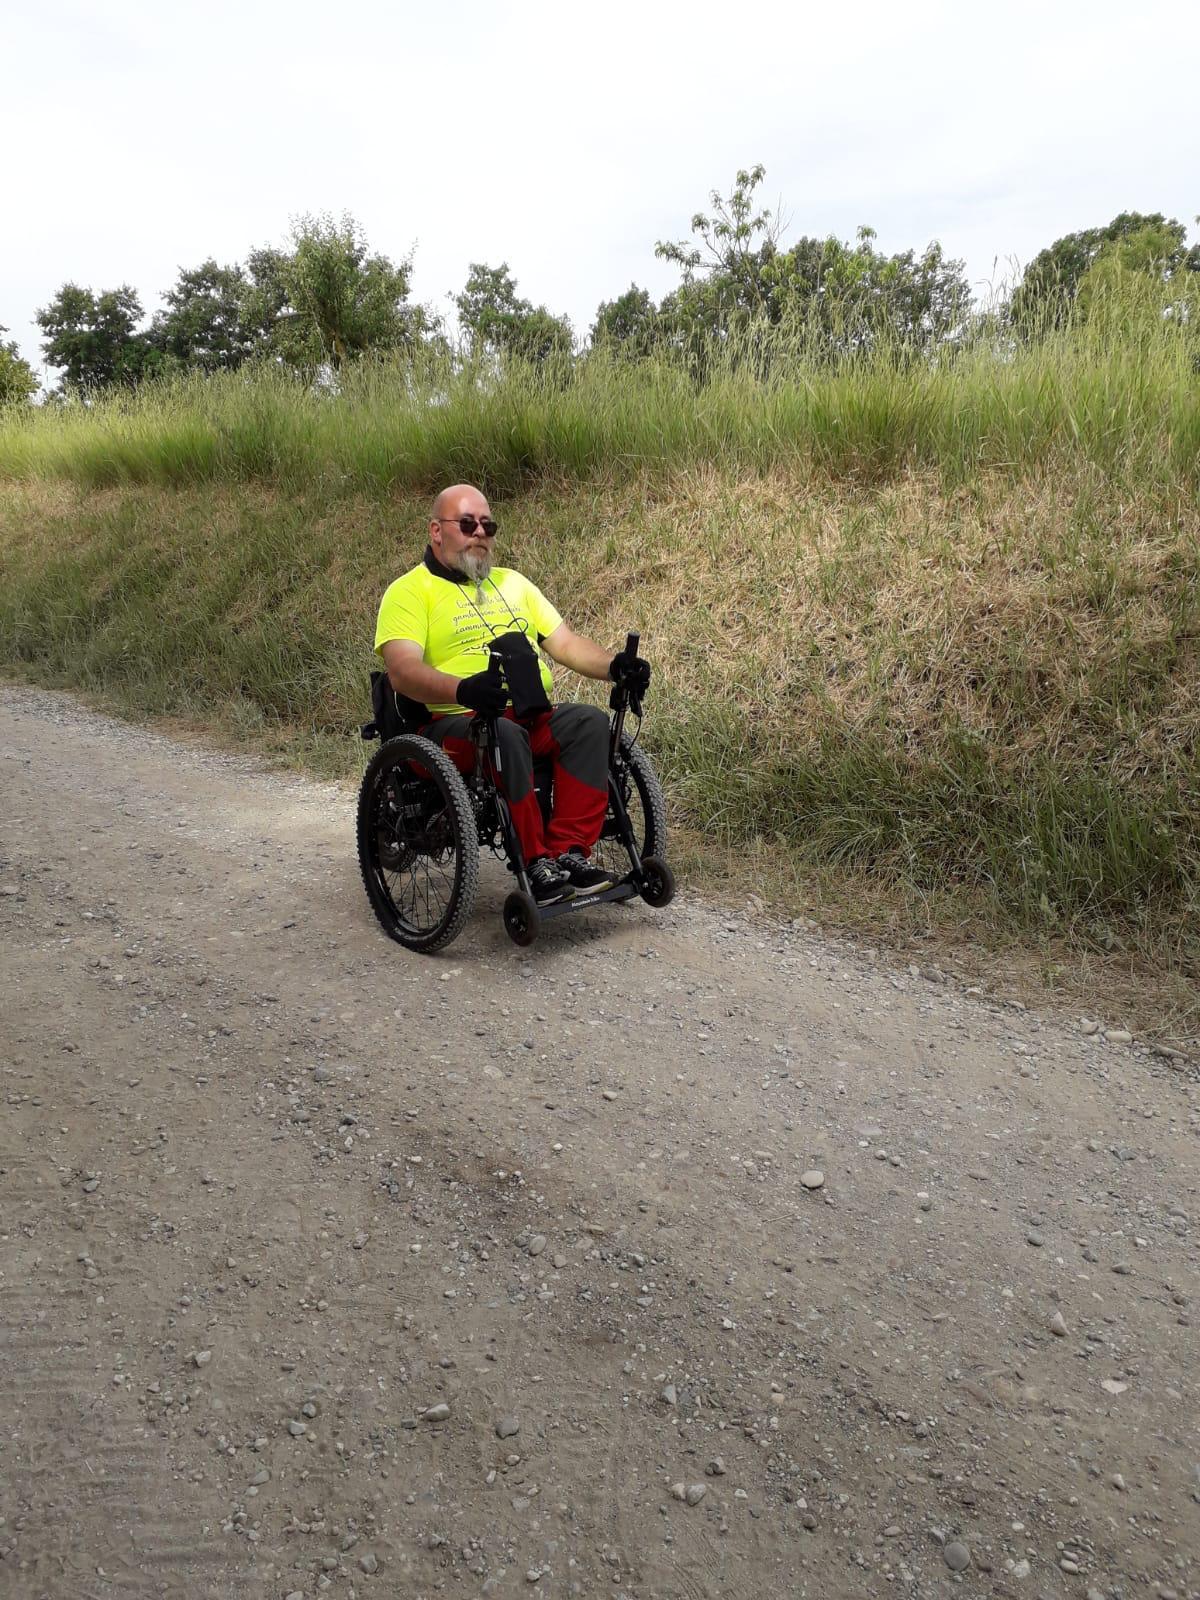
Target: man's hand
column 483, row 691
column 630, row 672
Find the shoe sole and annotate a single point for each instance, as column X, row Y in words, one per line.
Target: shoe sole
column 566, row 893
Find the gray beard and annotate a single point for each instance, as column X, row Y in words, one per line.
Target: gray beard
column 477, row 566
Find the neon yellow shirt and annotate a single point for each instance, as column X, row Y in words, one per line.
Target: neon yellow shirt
column 452, row 622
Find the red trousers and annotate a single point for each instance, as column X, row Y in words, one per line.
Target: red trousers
column 575, row 738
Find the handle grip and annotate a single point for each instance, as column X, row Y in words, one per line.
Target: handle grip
column 622, row 695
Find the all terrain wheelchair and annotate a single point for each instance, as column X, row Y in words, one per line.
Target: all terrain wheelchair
column 421, row 824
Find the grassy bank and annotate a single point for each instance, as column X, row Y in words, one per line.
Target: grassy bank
column 937, row 641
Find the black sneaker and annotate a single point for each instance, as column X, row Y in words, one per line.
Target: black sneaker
column 585, row 878
column 549, row 882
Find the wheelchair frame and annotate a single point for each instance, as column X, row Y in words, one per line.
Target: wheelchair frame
column 649, row 876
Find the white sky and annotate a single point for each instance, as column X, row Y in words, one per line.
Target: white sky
column 141, row 137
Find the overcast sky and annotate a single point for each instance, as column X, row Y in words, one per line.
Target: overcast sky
column 141, row 137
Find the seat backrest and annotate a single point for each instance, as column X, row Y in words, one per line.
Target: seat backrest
column 395, row 713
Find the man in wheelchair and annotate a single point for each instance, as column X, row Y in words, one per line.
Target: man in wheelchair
column 443, row 631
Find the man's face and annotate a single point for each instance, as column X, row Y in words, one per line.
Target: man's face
column 463, row 552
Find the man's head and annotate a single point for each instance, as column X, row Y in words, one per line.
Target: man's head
column 470, row 551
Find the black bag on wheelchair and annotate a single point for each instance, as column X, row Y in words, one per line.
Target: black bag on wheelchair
column 522, row 674
column 394, row 713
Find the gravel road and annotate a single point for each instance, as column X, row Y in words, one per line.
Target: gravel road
column 685, row 1254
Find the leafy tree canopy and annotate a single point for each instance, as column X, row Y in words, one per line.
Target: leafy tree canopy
column 496, row 319
column 734, row 244
column 1140, row 274
column 94, row 339
column 850, row 295
column 1046, row 294
column 629, row 325
column 202, row 324
column 18, row 385
column 344, row 300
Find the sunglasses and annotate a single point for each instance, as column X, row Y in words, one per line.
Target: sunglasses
column 468, row 524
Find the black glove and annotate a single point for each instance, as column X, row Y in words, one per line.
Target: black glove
column 483, row 691
column 630, row 672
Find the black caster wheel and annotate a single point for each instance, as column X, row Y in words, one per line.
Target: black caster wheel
column 521, row 919
column 657, row 887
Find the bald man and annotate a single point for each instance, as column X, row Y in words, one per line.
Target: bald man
column 435, row 626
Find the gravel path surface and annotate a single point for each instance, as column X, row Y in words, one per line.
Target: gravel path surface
column 681, row 1255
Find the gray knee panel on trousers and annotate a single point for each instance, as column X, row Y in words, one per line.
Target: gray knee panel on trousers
column 581, row 734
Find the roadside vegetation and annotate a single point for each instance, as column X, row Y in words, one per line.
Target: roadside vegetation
column 924, row 621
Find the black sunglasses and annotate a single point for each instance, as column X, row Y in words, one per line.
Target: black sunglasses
column 468, row 524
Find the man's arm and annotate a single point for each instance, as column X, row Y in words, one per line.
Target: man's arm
column 408, row 674
column 574, row 650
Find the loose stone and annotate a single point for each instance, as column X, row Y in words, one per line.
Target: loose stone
column 438, row 1413
column 956, row 1556
column 506, row 1427
column 814, row 1178
column 1058, row 1326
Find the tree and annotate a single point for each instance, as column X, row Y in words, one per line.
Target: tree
column 723, row 287
column 264, row 300
column 853, row 297
column 846, row 296
column 497, row 320
column 93, row 339
column 1045, row 297
column 328, row 300
column 18, row 385
column 629, row 325
column 344, row 300
column 1143, row 272
column 727, row 248
column 202, row 325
